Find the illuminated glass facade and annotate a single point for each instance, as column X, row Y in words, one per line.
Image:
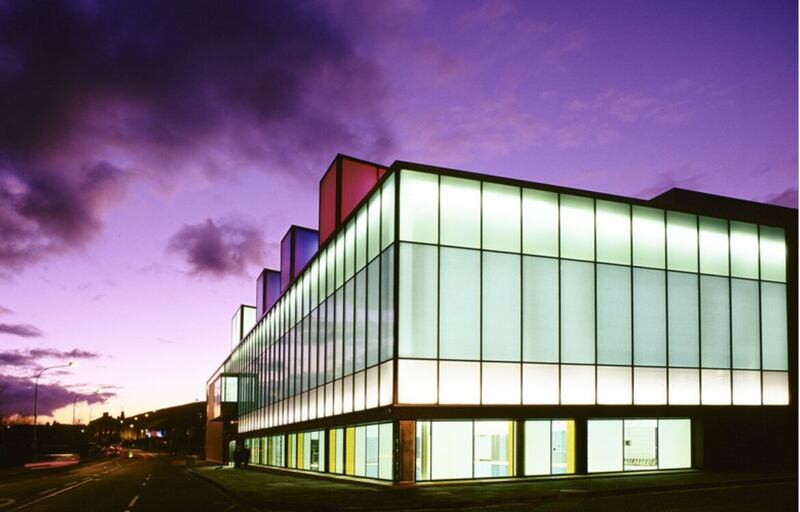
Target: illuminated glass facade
column 464, row 326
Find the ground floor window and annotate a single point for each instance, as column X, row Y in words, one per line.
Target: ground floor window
column 464, row 449
column 638, row 444
column 549, row 447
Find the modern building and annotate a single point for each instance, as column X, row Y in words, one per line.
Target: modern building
column 450, row 325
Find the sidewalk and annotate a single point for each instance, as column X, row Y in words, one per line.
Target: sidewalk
column 280, row 491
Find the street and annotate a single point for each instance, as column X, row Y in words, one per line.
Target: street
column 146, row 482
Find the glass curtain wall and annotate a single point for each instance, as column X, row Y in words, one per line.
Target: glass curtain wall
column 511, row 295
column 638, row 444
column 326, row 346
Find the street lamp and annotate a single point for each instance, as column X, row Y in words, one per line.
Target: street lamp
column 36, row 399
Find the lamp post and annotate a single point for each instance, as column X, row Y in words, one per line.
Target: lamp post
column 74, row 400
column 36, row 399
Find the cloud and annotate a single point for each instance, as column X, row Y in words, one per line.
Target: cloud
column 5, row 311
column 16, row 396
column 110, row 92
column 787, row 198
column 22, row 330
column 29, row 358
column 217, row 250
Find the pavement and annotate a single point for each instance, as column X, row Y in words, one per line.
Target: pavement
column 145, row 483
column 681, row 490
column 158, row 482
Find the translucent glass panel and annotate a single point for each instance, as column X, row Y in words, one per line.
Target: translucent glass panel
column 373, row 311
column 776, row 388
column 613, row 221
column 714, row 322
column 746, row 387
column 539, row 384
column 419, row 207
column 613, row 385
column 648, row 237
column 744, row 250
column 684, row 386
column 417, row 308
column 540, row 309
column 387, row 212
column 451, row 450
column 640, row 440
column 613, row 314
column 649, row 317
column 681, row 242
column 459, row 382
column 385, row 451
column 539, row 222
column 501, row 307
column 416, row 382
column 773, row 254
column 745, row 324
column 460, row 212
column 373, row 227
column 674, row 443
column 715, row 388
column 493, row 449
column 387, row 305
column 361, row 238
column 537, row 447
column 501, row 217
column 500, row 383
column 577, row 384
column 349, row 250
column 387, row 383
column 649, row 386
column 684, row 323
column 713, row 246
column 577, row 227
column 604, row 445
column 774, row 336
column 577, row 312
column 460, row 304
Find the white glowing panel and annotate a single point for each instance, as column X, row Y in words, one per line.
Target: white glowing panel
column 604, row 445
column 539, row 384
column 451, row 449
column 613, row 385
column 537, row 447
column 329, row 399
column 649, row 386
column 773, row 254
column 459, row 382
column 358, row 391
column 501, row 383
column 372, row 387
column 312, row 405
column 674, row 444
column 577, row 384
column 716, row 387
column 419, row 207
column 746, row 387
column 347, row 401
column 387, row 383
column 337, row 397
column 416, row 382
column 776, row 388
column 684, row 386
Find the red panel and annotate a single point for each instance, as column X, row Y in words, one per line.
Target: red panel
column 327, row 204
column 357, row 180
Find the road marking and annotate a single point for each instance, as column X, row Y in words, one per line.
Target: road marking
column 65, row 489
column 48, row 490
column 133, row 501
column 4, row 502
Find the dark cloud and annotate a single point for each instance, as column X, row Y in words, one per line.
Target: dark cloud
column 218, row 250
column 29, row 358
column 5, row 311
column 22, row 330
column 16, row 396
column 94, row 92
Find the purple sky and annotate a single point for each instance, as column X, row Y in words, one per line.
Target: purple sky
column 153, row 153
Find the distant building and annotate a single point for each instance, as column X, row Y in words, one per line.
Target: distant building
column 449, row 325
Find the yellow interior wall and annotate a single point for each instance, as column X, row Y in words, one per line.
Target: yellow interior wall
column 332, row 451
column 570, row 446
column 300, row 447
column 350, row 451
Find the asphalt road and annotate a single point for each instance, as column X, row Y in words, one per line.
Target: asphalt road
column 146, row 482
